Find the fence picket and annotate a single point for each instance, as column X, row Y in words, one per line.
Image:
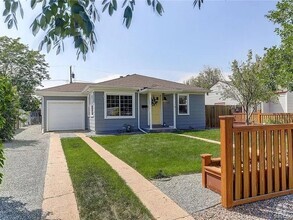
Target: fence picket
column 246, row 165
column 254, row 176
column 269, row 161
column 262, row 182
column 276, row 161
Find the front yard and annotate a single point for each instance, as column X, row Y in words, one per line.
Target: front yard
column 212, row 134
column 157, row 155
column 99, row 190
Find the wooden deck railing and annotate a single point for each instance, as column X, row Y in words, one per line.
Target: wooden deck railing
column 267, row 118
column 256, row 162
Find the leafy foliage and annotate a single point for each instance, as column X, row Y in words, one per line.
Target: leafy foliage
column 247, row 85
column 206, row 78
column 9, row 108
column 26, row 69
column 8, row 114
column 279, row 59
column 61, row 19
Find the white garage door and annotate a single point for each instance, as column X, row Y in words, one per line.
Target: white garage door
column 65, row 115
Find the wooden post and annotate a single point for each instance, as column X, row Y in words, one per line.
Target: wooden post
column 226, row 126
column 259, row 117
column 205, row 161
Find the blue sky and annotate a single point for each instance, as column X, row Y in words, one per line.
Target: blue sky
column 174, row 47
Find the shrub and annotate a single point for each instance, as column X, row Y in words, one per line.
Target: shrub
column 9, row 108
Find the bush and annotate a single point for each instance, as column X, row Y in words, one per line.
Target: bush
column 9, row 108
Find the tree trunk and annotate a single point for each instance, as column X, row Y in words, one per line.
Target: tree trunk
column 247, row 116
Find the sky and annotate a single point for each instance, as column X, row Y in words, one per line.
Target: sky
column 174, row 46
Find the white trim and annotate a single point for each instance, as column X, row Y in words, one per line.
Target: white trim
column 43, row 116
column 138, row 110
column 150, row 110
column 162, row 109
column 45, row 93
column 187, row 95
column 66, row 101
column 174, row 111
column 119, row 94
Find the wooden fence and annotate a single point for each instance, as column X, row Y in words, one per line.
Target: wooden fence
column 267, row 118
column 214, row 111
column 256, row 162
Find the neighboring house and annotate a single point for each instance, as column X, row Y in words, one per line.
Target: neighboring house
column 135, row 101
column 214, row 97
column 284, row 104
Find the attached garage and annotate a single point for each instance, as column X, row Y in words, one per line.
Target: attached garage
column 65, row 115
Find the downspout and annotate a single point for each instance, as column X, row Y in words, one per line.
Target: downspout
column 138, row 113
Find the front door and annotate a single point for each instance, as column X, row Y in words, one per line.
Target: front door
column 156, row 109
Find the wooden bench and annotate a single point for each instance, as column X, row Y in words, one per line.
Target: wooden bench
column 211, row 173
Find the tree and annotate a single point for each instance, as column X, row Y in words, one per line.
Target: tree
column 279, row 59
column 206, row 78
column 247, row 85
column 61, row 19
column 26, row 69
column 9, row 113
column 9, row 108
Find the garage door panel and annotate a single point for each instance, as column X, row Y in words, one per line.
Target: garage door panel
column 66, row 115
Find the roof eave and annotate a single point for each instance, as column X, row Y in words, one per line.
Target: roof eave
column 55, row 93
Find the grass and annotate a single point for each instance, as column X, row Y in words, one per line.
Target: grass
column 100, row 192
column 212, row 134
column 156, row 154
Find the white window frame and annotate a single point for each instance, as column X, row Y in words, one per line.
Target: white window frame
column 119, row 94
column 178, row 96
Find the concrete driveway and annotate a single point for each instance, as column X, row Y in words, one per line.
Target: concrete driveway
column 21, row 193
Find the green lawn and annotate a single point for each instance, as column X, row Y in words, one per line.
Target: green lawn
column 212, row 134
column 151, row 153
column 100, row 192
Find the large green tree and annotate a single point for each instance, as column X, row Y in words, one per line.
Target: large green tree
column 279, row 58
column 61, row 19
column 26, row 69
column 247, row 86
column 9, row 113
column 206, row 78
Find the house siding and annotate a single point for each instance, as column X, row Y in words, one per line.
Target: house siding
column 143, row 111
column 290, row 102
column 168, row 112
column 65, row 98
column 103, row 125
column 196, row 117
column 215, row 97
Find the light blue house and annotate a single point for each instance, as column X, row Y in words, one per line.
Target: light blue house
column 133, row 102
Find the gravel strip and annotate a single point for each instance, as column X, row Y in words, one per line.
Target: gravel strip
column 201, row 203
column 21, row 193
column 277, row 208
column 187, row 192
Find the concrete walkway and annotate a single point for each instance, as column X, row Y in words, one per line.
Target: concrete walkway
column 159, row 205
column 59, row 199
column 21, row 193
column 202, row 139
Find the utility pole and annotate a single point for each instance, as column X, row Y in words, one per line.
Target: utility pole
column 71, row 74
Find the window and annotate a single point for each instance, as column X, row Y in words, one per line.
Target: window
column 119, row 106
column 183, row 104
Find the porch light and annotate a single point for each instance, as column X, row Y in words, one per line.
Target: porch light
column 165, row 99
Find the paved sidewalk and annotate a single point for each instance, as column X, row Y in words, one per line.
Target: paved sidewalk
column 159, row 205
column 21, row 193
column 59, row 199
column 202, row 139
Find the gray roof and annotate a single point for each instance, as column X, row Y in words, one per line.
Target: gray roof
column 136, row 81
column 70, row 87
